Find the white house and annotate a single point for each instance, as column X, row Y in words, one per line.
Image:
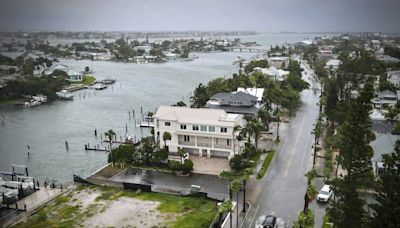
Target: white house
column 279, row 62
column 386, row 97
column 202, row 132
column 333, row 63
column 278, row 74
column 394, row 77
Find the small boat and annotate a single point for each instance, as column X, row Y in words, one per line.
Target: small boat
column 8, row 196
column 108, row 81
column 65, row 95
column 100, row 86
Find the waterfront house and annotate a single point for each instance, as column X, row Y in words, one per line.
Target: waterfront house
column 384, row 98
column 279, row 62
column 257, row 92
column 235, row 102
column 201, row 132
column 73, row 75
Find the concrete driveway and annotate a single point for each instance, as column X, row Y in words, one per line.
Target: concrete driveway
column 210, row 166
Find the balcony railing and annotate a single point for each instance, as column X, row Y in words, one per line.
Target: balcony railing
column 222, row 146
column 186, row 143
column 204, row 144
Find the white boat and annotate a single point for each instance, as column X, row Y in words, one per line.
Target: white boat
column 100, row 86
column 65, row 95
column 108, row 81
column 8, row 196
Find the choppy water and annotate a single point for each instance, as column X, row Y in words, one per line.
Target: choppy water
column 46, row 128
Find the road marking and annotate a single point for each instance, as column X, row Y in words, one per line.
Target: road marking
column 304, row 155
column 294, row 148
column 255, row 214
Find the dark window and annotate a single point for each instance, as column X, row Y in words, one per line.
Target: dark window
column 167, row 124
column 195, row 127
column 183, row 126
column 224, row 130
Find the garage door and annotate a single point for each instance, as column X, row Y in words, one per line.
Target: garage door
column 192, row 151
column 223, row 154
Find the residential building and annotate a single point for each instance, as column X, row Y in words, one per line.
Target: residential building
column 383, row 98
column 277, row 74
column 235, row 102
column 202, row 132
column 73, row 75
column 333, row 64
column 394, row 77
column 7, row 70
column 257, row 92
column 279, row 62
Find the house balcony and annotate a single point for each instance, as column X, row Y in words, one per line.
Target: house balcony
column 186, row 143
column 222, row 146
column 204, row 144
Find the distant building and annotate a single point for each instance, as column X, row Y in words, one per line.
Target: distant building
column 277, row 74
column 235, row 102
column 333, row 64
column 7, row 70
column 383, row 98
column 201, row 132
column 279, row 62
column 387, row 59
column 73, row 75
column 394, row 77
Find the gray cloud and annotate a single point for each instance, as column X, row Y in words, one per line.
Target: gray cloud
column 145, row 15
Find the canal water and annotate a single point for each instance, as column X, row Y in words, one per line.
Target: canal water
column 46, row 128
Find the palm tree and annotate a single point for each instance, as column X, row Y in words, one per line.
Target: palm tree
column 254, row 128
column 265, row 117
column 166, row 136
column 181, row 153
column 235, row 186
column 226, row 206
column 310, row 192
column 110, row 134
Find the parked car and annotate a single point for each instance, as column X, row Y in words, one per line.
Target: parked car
column 268, row 221
column 325, row 193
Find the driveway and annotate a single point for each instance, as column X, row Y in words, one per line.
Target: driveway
column 211, row 166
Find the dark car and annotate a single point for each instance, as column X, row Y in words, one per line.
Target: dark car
column 268, row 221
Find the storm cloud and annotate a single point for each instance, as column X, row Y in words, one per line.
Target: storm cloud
column 179, row 15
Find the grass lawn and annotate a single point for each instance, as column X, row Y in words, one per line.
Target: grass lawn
column 87, row 80
column 70, row 211
column 265, row 164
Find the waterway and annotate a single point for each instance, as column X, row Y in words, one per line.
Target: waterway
column 46, row 128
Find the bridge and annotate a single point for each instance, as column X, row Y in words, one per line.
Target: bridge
column 246, row 49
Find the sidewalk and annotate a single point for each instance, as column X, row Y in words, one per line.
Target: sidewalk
column 240, row 218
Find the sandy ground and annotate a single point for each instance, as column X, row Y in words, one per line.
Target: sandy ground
column 129, row 212
column 121, row 212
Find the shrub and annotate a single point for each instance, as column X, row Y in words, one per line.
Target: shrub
column 187, row 166
column 237, row 163
column 396, row 130
column 174, row 165
column 305, row 221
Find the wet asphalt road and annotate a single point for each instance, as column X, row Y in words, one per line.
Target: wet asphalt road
column 281, row 191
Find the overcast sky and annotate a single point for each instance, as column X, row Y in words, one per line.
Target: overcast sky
column 162, row 15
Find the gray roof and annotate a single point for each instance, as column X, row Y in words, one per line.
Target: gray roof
column 245, row 110
column 383, row 144
column 235, row 99
column 387, row 93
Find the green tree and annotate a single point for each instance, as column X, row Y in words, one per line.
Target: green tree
column 387, row 208
column 354, row 157
column 166, row 136
column 310, row 192
column 265, row 117
column 235, row 186
column 122, row 154
column 263, row 63
column 147, row 149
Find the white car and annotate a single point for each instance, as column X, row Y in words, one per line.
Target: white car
column 325, row 193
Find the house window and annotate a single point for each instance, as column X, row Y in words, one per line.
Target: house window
column 195, row 127
column 216, row 141
column 203, row 128
column 224, row 130
column 211, row 128
column 186, row 138
column 228, row 142
column 167, row 124
column 183, row 126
